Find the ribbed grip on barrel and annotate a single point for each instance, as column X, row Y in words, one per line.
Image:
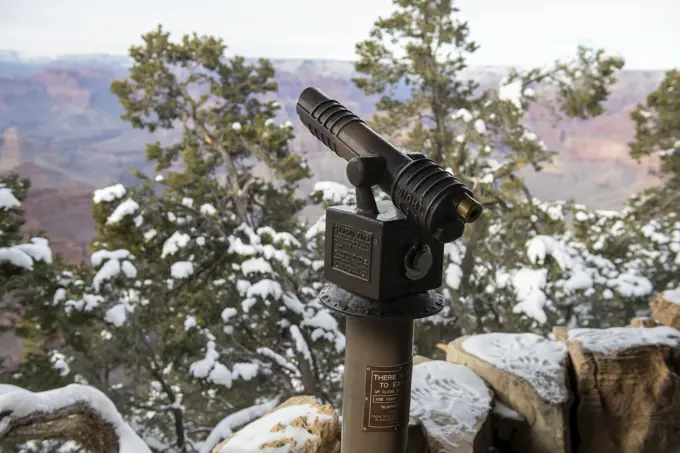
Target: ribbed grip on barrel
column 421, row 187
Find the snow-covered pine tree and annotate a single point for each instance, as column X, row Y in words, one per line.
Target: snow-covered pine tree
column 657, row 134
column 643, row 239
column 16, row 256
column 200, row 301
column 27, row 275
column 415, row 61
column 27, row 268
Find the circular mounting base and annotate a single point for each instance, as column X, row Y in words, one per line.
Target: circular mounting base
column 415, row 306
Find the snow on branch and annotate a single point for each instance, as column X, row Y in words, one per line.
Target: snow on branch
column 76, row 412
column 25, row 255
column 301, row 346
column 8, row 200
column 279, row 360
column 22, row 255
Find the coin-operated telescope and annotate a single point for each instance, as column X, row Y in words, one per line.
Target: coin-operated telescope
column 383, row 261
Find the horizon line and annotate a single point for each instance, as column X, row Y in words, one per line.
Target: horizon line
column 26, row 57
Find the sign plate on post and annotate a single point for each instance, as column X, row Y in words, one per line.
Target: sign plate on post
column 387, row 397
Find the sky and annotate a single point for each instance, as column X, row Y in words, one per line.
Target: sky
column 510, row 32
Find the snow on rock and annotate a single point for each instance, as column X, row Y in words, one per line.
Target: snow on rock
column 288, row 429
column 612, row 340
column 451, row 401
column 126, row 208
column 331, row 192
column 108, row 194
column 9, row 388
column 8, row 200
column 19, row 404
column 231, row 423
column 538, row 361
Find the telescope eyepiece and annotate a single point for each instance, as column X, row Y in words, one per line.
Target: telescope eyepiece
column 469, row 209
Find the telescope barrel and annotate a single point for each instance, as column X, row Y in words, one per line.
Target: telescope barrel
column 344, row 132
column 420, row 188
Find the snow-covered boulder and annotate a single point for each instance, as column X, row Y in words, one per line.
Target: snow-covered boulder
column 666, row 308
column 529, row 374
column 628, row 389
column 76, row 412
column 453, row 405
column 299, row 425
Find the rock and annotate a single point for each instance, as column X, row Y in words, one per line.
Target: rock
column 299, row 425
column 628, row 389
column 417, row 437
column 507, row 424
column 453, row 405
column 560, row 332
column 643, row 322
column 666, row 308
column 418, row 359
column 528, row 373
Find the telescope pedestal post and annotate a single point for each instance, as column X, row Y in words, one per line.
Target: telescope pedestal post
column 378, row 366
column 382, row 268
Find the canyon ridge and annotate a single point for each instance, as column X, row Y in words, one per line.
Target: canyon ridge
column 61, row 128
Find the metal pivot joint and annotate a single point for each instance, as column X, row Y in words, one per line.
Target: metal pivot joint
column 383, row 262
